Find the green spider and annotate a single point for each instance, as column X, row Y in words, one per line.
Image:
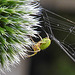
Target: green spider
column 41, row 45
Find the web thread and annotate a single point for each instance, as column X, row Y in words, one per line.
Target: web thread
column 53, row 21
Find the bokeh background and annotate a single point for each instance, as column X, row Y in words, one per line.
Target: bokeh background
column 52, row 61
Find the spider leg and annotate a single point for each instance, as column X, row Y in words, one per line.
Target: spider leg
column 32, row 40
column 34, row 52
column 39, row 36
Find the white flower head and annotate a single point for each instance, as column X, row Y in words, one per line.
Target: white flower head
column 17, row 23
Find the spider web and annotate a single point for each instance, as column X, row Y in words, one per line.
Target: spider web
column 61, row 31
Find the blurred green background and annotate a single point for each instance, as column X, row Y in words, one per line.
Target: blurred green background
column 53, row 60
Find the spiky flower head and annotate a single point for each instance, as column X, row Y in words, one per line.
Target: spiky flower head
column 15, row 24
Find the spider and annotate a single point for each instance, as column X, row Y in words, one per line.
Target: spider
column 40, row 45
